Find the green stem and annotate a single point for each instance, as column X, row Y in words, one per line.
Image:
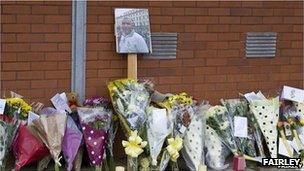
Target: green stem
column 57, row 167
column 132, row 164
column 98, row 168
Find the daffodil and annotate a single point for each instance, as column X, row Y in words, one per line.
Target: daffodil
column 134, row 146
column 174, row 146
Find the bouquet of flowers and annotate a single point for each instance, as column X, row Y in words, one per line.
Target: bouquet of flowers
column 71, row 142
column 266, row 112
column 130, row 100
column 217, row 118
column 50, row 130
column 7, row 133
column 239, row 108
column 27, row 148
column 17, row 107
column 95, row 123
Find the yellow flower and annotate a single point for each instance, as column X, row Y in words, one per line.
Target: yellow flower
column 144, row 163
column 174, row 146
column 212, row 111
column 302, row 121
column 134, row 146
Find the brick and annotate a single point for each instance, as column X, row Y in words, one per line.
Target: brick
column 97, row 28
column 284, row 12
column 251, row 20
column 291, row 36
column 216, row 62
column 45, row 9
column 13, row 9
column 43, row 83
column 64, row 65
column 170, row 63
column 193, row 62
column 228, row 70
column 17, row 66
column 118, row 64
column 106, row 19
column 218, row 28
column 160, row 4
column 136, row 4
column 292, row 52
column 98, row 46
column 173, row 11
column 291, row 68
column 296, row 44
column 15, row 84
column 11, row 56
column 57, row 19
column 6, row 38
column 207, row 4
column 34, row 93
column 205, row 86
column 37, row 19
column 16, row 28
column 173, row 28
column 98, row 64
column 272, row 20
column 8, row 19
column 297, row 28
column 58, row 38
column 170, row 80
column 205, row 53
column 106, row 38
column 262, row 12
column 65, row 28
column 184, row 19
column 58, row 56
column 110, row 73
column 92, row 19
column 215, row 78
column 16, row 47
column 99, row 10
column 226, row 86
column 230, row 4
column 66, row 47
column 207, row 20
column 30, row 75
column 206, row 37
column 30, row 38
column 228, row 53
column 240, row 11
column 153, row 72
column 282, row 28
column 42, row 47
column 155, row 11
column 293, row 20
column 65, row 9
column 184, row 4
column 30, row 56
column 43, row 66
column 252, row 4
column 204, row 70
column 185, row 54
column 91, row 73
column 280, row 76
column 57, row 74
column 230, row 20
column 248, row 86
column 228, row 36
column 195, row 28
column 236, row 62
column 192, row 46
column 44, row 28
column 279, row 61
column 160, row 20
column 196, row 11
column 219, row 11
column 8, row 76
column 217, row 45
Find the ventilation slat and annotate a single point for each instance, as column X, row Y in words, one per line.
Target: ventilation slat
column 164, row 46
column 261, row 44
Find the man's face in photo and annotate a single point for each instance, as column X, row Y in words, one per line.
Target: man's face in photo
column 126, row 26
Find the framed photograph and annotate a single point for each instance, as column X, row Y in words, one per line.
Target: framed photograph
column 132, row 30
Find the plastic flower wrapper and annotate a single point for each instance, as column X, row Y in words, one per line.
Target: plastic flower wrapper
column 71, row 142
column 158, row 128
column 7, row 134
column 193, row 150
column 217, row 118
column 266, row 112
column 50, row 130
column 216, row 151
column 130, row 100
column 95, row 123
column 17, row 107
column 27, row 148
column 239, row 108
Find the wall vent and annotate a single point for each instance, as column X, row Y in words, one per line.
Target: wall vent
column 261, row 44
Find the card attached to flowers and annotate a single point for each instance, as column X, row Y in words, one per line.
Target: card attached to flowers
column 60, row 104
column 240, row 127
column 293, row 94
column 2, row 106
column 31, row 117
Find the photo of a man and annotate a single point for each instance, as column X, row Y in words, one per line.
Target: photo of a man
column 132, row 30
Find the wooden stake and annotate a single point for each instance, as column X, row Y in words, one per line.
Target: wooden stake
column 132, row 66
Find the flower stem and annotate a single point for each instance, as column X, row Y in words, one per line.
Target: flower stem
column 132, row 164
column 98, row 168
column 57, row 167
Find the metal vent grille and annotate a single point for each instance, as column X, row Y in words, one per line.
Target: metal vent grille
column 261, row 44
column 164, row 46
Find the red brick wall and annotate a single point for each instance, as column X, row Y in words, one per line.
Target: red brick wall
column 210, row 63
column 36, row 47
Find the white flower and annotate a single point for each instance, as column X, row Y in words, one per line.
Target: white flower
column 224, row 125
column 215, row 110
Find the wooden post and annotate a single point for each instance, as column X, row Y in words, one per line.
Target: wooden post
column 132, row 66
